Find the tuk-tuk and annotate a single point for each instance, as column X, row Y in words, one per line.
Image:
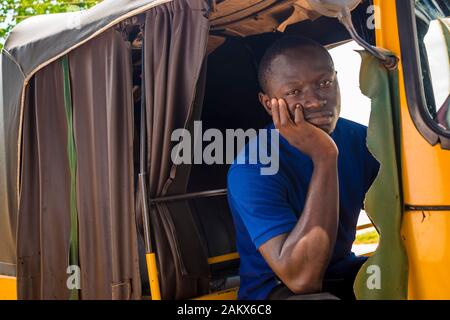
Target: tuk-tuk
column 92, row 205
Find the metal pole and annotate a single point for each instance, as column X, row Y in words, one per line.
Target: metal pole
column 150, row 256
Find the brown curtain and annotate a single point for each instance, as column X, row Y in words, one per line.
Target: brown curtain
column 43, row 221
column 175, row 41
column 101, row 74
column 11, row 87
column 100, row 71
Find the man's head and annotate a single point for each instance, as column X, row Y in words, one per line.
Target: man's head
column 300, row 71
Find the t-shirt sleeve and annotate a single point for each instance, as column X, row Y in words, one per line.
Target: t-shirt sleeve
column 261, row 203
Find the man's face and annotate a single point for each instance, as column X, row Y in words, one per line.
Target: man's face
column 308, row 79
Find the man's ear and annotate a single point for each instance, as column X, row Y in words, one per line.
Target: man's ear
column 264, row 99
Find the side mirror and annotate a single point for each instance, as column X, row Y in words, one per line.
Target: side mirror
column 341, row 9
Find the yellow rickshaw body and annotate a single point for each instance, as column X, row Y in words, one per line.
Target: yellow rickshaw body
column 425, row 179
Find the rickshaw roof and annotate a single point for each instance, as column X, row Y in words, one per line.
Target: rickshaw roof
column 39, row 39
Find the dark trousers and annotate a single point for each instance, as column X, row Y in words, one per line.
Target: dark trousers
column 337, row 284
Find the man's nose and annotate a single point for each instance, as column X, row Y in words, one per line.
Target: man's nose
column 311, row 100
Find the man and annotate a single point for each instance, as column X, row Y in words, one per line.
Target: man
column 295, row 229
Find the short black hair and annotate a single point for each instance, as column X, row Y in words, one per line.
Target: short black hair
column 279, row 47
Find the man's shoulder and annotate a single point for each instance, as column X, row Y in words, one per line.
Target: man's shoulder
column 349, row 129
column 347, row 124
column 354, row 140
column 246, row 159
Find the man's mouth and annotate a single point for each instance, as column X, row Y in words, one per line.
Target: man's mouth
column 319, row 114
column 321, row 119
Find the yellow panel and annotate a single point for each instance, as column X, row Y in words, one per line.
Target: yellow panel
column 425, row 169
column 8, row 288
column 230, row 294
column 426, row 235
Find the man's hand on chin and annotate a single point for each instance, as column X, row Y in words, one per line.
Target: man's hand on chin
column 309, row 136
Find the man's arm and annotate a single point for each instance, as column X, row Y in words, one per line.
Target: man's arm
column 301, row 257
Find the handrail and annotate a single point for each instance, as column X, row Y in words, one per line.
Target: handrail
column 223, row 258
column 192, row 195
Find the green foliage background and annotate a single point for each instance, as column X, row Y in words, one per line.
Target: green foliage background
column 14, row 11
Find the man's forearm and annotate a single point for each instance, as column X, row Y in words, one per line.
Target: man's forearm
column 307, row 249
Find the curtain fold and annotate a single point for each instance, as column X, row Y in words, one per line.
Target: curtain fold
column 101, row 74
column 43, row 220
column 175, row 41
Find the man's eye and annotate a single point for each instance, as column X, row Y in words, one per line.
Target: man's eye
column 326, row 83
column 293, row 92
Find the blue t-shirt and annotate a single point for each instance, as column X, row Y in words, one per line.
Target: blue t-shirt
column 265, row 206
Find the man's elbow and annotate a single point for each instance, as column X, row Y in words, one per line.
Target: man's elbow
column 305, row 285
column 301, row 280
